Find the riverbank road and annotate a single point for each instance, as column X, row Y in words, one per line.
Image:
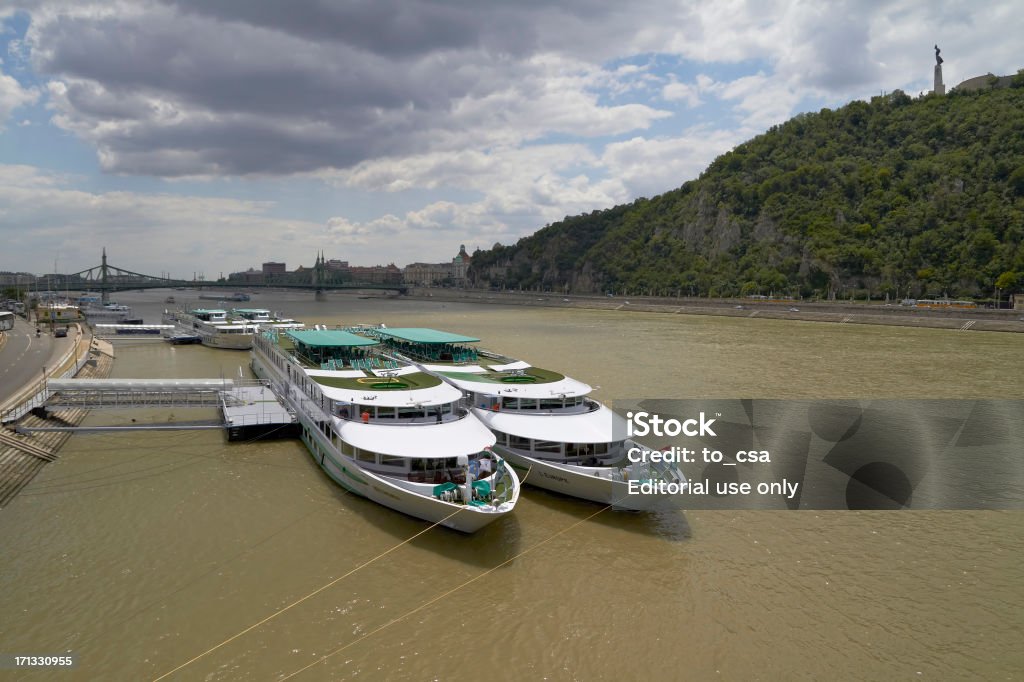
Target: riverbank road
column 24, row 355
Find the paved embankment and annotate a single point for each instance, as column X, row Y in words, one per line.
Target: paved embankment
column 22, row 456
column 971, row 319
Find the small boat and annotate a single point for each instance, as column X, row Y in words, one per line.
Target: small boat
column 235, row 297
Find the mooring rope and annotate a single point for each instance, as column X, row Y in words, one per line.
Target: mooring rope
column 311, row 594
column 361, row 566
column 442, row 596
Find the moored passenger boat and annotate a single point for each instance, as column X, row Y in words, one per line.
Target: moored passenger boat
column 213, row 327
column 386, row 430
column 96, row 311
column 544, row 422
column 264, row 318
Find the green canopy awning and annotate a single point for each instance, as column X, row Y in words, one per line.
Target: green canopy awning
column 424, row 335
column 328, row 338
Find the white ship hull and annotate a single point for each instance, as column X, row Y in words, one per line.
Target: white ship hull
column 212, row 335
column 229, row 341
column 604, row 485
column 547, row 413
column 97, row 315
column 349, row 474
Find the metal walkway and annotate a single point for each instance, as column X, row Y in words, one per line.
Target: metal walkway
column 137, row 393
column 248, row 409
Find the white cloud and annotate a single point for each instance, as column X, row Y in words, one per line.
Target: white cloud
column 170, row 91
column 45, row 218
column 647, row 167
column 12, row 96
column 473, row 169
column 500, row 118
column 520, row 189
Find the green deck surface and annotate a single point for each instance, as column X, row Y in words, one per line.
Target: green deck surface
column 406, row 382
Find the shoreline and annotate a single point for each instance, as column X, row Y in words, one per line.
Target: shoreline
column 23, row 456
column 969, row 319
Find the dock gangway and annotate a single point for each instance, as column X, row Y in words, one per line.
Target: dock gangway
column 249, row 409
column 137, row 393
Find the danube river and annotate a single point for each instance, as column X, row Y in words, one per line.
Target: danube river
column 139, row 553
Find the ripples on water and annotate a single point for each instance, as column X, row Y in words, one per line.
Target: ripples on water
column 140, row 551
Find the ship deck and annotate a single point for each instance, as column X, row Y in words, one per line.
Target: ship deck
column 484, row 372
column 376, row 375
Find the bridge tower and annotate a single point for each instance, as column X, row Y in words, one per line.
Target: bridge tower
column 320, row 276
column 104, row 292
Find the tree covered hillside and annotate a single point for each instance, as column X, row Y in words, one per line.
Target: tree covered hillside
column 899, row 196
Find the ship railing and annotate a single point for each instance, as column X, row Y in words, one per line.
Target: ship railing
column 497, row 487
column 587, row 407
column 447, row 417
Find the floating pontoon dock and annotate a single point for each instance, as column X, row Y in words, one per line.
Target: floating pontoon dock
column 250, row 410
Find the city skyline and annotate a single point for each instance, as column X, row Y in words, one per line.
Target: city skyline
column 188, row 136
column 428, row 273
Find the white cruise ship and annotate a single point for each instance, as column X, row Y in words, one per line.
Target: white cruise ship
column 544, row 422
column 213, row 327
column 232, row 330
column 97, row 312
column 386, row 430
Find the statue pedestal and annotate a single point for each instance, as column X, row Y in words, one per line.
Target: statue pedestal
column 939, row 88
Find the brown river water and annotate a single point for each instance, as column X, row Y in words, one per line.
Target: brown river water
column 140, row 552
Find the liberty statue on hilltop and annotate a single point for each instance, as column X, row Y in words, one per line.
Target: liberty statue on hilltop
column 938, row 59
column 939, row 88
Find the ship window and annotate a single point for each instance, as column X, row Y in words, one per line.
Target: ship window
column 385, row 413
column 519, row 443
column 346, row 448
column 528, row 404
column 366, row 456
column 392, row 461
column 510, row 403
column 410, row 412
column 548, row 446
column 600, row 448
column 550, row 404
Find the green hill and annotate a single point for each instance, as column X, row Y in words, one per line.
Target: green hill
column 899, row 196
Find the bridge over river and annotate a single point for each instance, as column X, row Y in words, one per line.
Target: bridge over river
column 105, row 278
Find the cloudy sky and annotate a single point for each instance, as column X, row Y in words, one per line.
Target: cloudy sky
column 211, row 135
